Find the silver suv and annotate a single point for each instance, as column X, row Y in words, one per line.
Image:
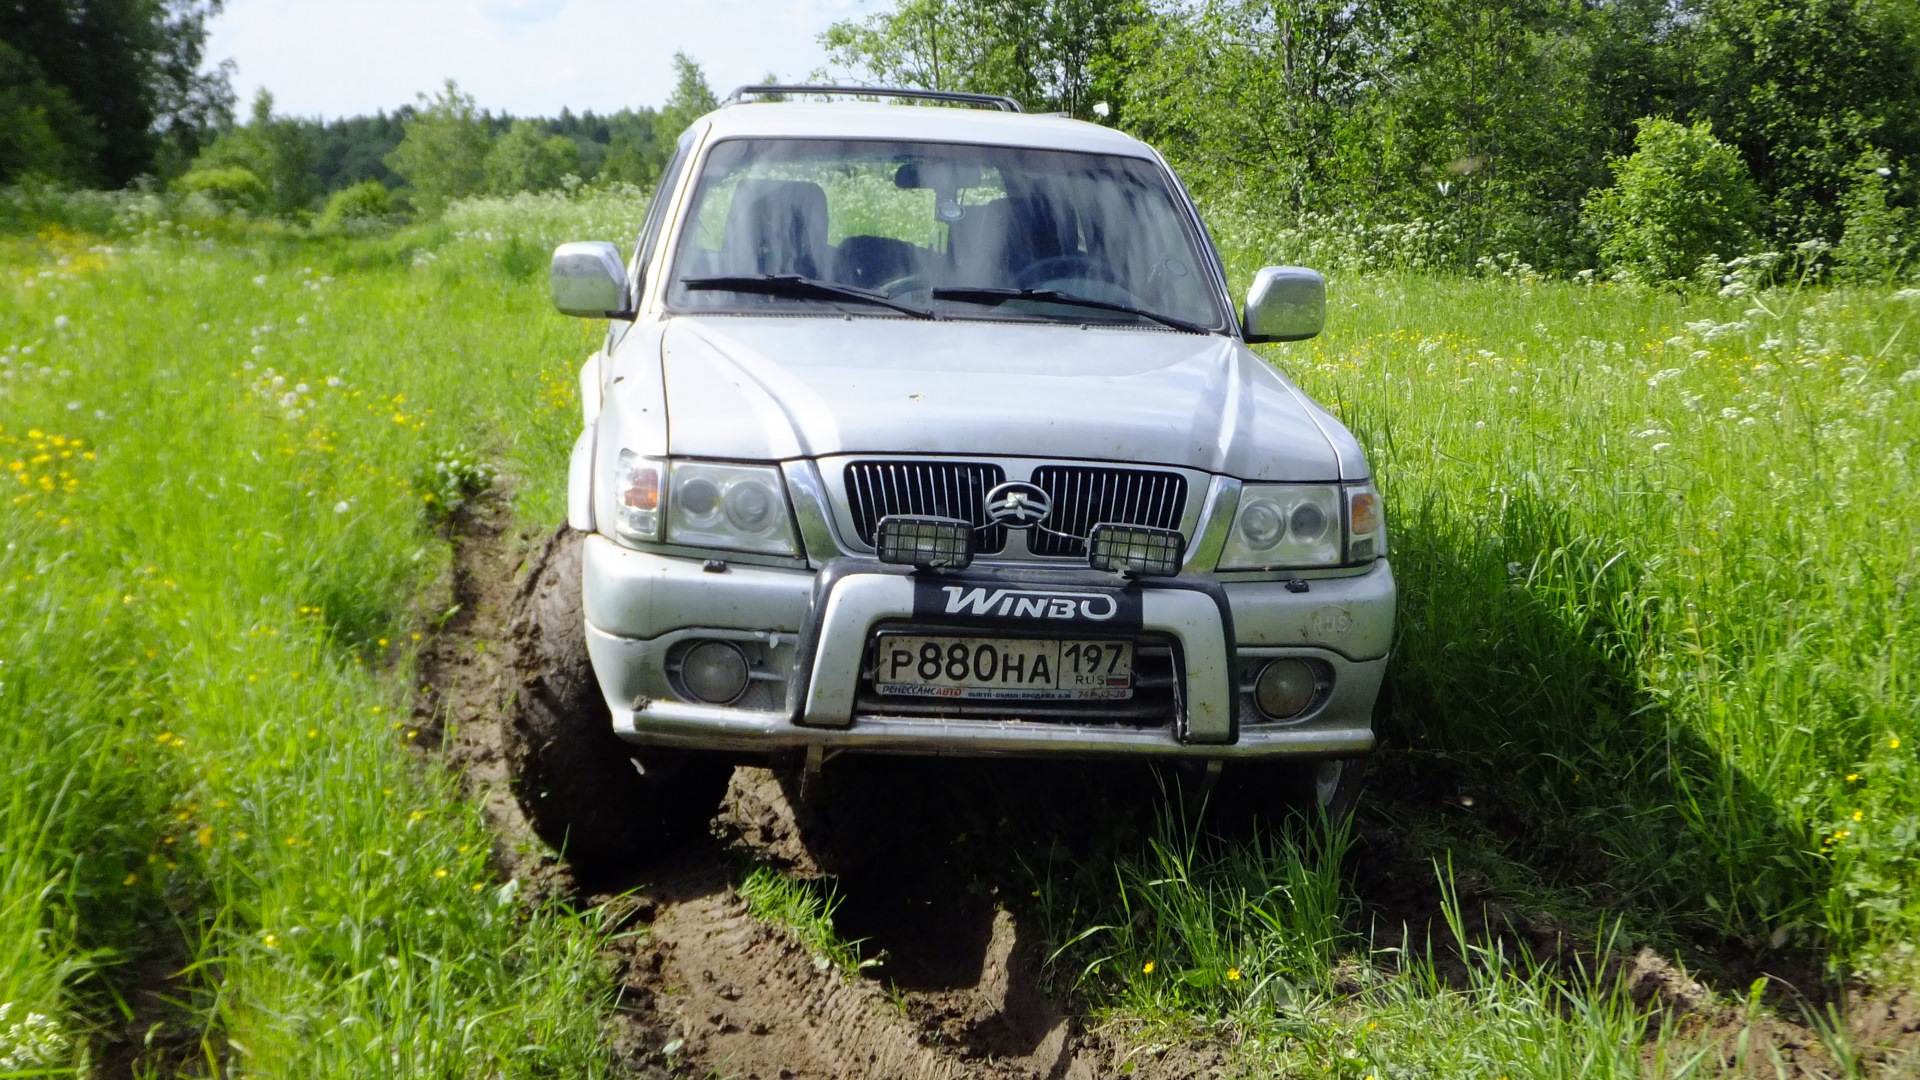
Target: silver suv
column 934, row 430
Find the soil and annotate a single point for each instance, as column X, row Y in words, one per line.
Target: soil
column 956, row 989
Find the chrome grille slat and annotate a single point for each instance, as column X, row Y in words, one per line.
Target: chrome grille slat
column 928, row 488
column 1087, row 495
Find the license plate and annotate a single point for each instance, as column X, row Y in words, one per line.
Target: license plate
column 1027, row 669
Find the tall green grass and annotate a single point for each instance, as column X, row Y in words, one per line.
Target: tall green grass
column 1656, row 556
column 219, row 468
column 1251, row 943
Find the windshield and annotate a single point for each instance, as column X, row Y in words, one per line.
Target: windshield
column 955, row 231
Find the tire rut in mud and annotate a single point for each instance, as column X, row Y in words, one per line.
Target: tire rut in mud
column 705, row 986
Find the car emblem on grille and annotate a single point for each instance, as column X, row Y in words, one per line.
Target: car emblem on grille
column 1017, row 504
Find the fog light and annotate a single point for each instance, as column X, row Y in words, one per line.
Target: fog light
column 940, row 543
column 1285, row 688
column 1135, row 549
column 715, row 672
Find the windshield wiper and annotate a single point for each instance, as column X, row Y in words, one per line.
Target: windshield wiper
column 801, row 288
column 996, row 297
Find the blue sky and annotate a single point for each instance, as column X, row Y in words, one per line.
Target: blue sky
column 528, row 57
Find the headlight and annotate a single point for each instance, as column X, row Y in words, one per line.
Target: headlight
column 1303, row 525
column 742, row 507
column 636, row 496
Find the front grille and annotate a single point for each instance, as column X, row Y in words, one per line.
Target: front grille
column 1085, row 496
column 924, row 488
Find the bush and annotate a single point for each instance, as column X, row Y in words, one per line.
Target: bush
column 1681, row 197
column 360, row 204
column 231, row 188
column 1874, row 246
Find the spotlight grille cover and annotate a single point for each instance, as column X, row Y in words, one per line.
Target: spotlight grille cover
column 1135, row 549
column 937, row 543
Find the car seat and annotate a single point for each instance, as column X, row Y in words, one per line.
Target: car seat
column 776, row 227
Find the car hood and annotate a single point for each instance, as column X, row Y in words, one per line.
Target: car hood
column 762, row 389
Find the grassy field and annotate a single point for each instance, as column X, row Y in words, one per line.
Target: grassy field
column 1656, row 554
column 223, row 465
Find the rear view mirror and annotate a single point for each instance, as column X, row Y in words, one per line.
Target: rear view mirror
column 1286, row 303
column 590, row 281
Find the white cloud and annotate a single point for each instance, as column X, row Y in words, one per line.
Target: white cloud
column 526, row 57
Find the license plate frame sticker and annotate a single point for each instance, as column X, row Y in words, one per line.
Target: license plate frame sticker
column 1003, row 669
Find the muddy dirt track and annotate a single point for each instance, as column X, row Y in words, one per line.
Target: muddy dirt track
column 926, row 857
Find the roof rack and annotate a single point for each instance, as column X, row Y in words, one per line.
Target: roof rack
column 995, row 101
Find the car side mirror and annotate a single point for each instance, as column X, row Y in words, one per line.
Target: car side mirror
column 1286, row 303
column 590, row 281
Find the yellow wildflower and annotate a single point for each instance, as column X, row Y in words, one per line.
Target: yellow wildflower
column 1147, row 968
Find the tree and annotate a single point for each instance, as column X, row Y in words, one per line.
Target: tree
column 95, row 90
column 526, row 158
column 1682, row 196
column 443, row 154
column 1803, row 88
column 1061, row 55
column 279, row 151
column 691, row 98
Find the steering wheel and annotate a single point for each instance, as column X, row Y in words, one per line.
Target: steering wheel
column 1080, row 274
column 1059, row 267
column 913, row 281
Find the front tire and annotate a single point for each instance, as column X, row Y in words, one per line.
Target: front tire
column 603, row 804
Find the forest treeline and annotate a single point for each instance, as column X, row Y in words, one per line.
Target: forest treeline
column 1649, row 136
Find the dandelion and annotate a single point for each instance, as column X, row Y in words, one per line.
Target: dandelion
column 1858, row 814
column 439, row 873
column 1852, row 776
column 1893, row 742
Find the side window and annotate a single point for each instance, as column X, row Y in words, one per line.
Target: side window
column 656, row 213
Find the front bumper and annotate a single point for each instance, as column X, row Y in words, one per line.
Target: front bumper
column 808, row 634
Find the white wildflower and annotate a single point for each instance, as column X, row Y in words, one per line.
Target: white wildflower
column 60, row 322
column 34, row 1044
column 341, row 507
column 260, row 280
column 1909, row 375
